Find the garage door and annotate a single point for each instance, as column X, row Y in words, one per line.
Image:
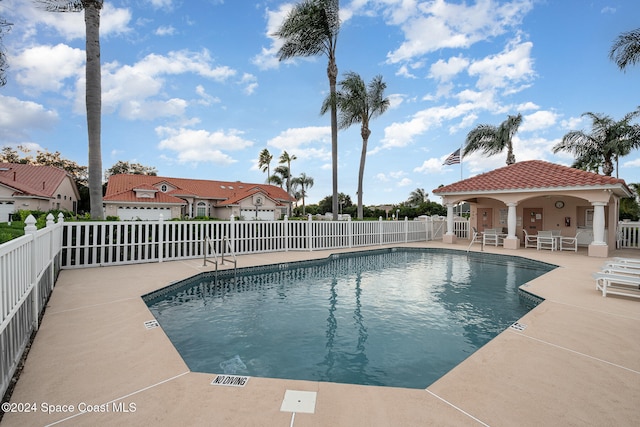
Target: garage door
column 144, row 214
column 250, row 214
column 5, row 209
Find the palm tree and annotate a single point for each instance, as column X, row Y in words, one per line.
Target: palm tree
column 358, row 103
column 417, row 197
column 493, row 140
column 264, row 162
column 5, row 26
column 280, row 176
column 285, row 158
column 310, row 29
column 93, row 92
column 607, row 141
column 626, row 49
column 304, row 182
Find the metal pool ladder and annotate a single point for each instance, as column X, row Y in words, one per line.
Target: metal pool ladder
column 226, row 246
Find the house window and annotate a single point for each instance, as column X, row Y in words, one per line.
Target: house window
column 201, row 209
column 163, row 188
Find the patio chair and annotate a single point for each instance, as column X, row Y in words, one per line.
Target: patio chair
column 617, row 284
column 529, row 240
column 569, row 243
column 546, row 240
column 490, row 237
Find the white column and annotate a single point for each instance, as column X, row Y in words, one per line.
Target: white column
column 511, row 221
column 598, row 223
column 450, row 219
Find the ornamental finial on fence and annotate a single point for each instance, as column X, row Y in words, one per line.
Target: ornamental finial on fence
column 30, row 224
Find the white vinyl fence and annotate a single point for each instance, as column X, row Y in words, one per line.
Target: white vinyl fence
column 92, row 244
column 28, row 269
column 628, row 235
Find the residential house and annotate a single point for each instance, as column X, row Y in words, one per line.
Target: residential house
column 34, row 187
column 537, row 195
column 145, row 197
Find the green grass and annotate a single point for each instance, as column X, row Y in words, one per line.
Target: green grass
column 9, row 232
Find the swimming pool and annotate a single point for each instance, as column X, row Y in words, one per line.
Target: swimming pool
column 396, row 317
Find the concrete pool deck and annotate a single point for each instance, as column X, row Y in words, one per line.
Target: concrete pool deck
column 576, row 363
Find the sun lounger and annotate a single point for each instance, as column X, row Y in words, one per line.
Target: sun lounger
column 617, row 284
column 623, row 268
column 630, row 261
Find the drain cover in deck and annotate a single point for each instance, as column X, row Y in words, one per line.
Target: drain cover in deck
column 299, row 401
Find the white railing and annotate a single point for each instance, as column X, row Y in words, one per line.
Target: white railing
column 94, row 244
column 628, row 235
column 28, row 269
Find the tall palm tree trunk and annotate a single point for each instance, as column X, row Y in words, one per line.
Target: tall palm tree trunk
column 332, row 73
column 365, row 133
column 94, row 105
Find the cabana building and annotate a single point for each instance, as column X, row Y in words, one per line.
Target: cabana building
column 536, row 195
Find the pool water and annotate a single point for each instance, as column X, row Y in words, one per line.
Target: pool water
column 396, row 317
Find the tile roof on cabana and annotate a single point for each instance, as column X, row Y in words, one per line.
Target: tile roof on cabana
column 532, row 175
column 121, row 188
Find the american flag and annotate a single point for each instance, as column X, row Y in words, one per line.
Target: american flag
column 453, row 159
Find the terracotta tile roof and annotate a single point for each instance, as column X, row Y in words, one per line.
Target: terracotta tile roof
column 531, row 174
column 120, row 188
column 32, row 180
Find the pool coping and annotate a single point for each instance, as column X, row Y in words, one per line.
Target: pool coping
column 575, row 362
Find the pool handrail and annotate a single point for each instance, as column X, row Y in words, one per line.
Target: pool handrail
column 226, row 245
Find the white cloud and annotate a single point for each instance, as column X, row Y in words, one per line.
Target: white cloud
column 399, row 135
column 431, row 166
column 70, row 25
column 405, row 182
column 250, row 83
column 429, row 26
column 165, row 30
column 129, row 89
column 17, row 115
column 446, row 70
column 538, row 120
column 512, row 66
column 45, row 68
column 197, row 146
column 161, row 4
column 308, row 142
column 268, row 56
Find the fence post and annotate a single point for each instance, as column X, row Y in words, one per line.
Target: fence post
column 309, row 231
column 160, row 238
column 406, row 229
column 286, row 233
column 350, row 225
column 50, row 224
column 232, row 234
column 30, row 229
column 380, row 229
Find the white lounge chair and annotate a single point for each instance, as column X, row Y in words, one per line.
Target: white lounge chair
column 622, row 260
column 569, row 243
column 617, row 284
column 529, row 240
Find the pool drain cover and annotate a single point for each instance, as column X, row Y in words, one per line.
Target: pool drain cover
column 518, row 326
column 299, row 401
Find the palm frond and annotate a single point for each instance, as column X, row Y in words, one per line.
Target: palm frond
column 626, row 49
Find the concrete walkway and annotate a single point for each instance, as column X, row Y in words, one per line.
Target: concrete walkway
column 577, row 363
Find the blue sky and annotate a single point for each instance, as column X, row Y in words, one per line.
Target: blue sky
column 194, row 88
